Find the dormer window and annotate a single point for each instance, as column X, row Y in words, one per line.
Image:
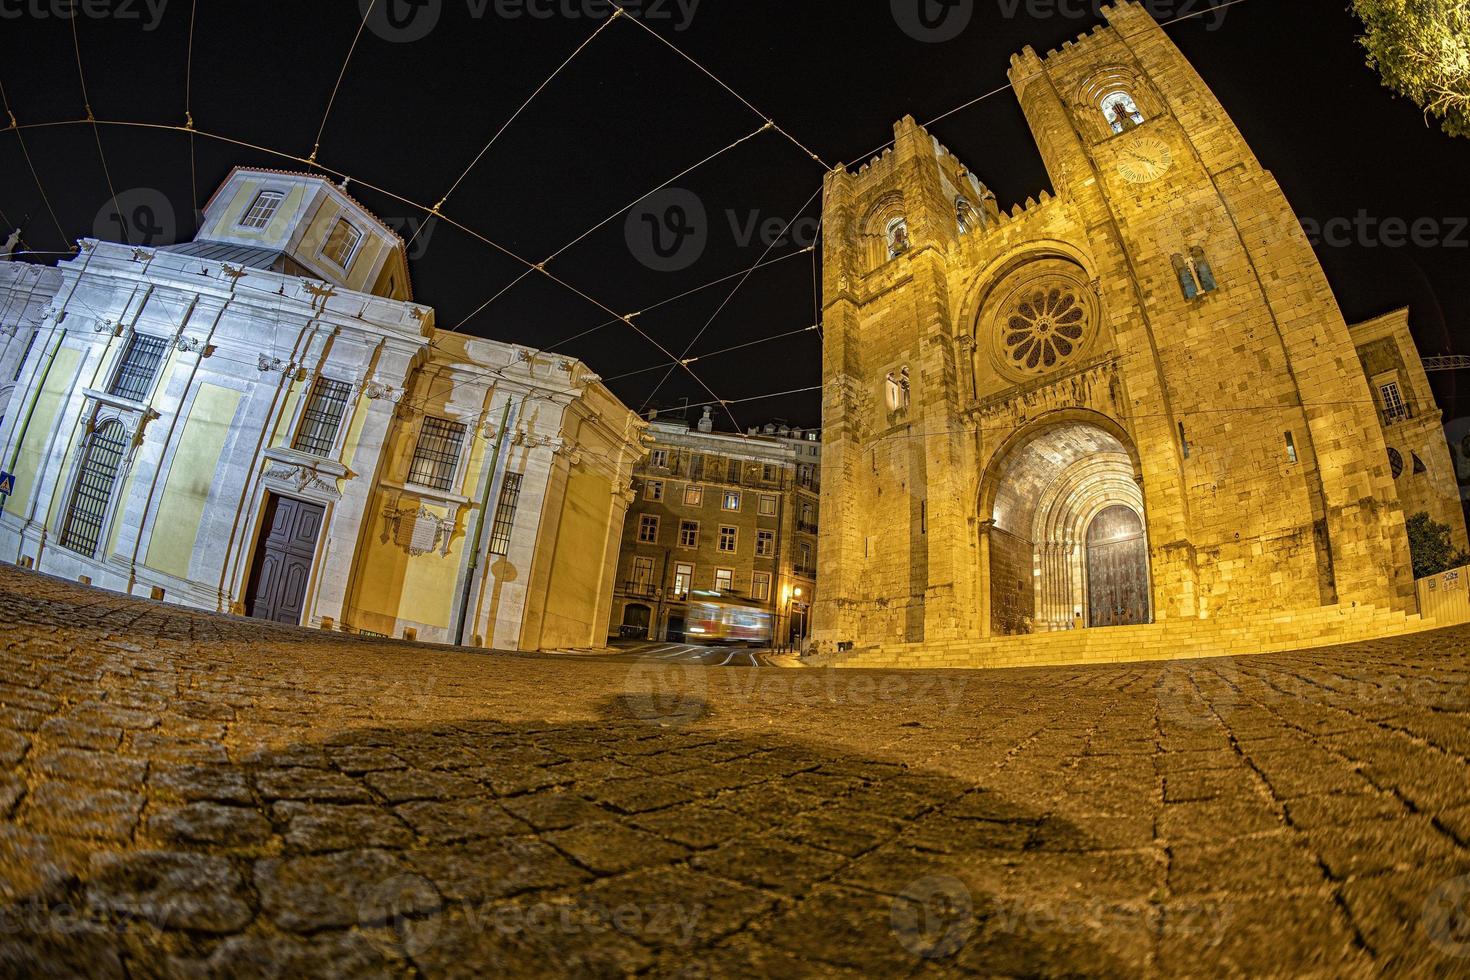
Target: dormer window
column 1121, row 111
column 897, row 234
column 342, row 243
column 262, row 209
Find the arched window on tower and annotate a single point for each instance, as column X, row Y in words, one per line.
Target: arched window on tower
column 896, row 390
column 964, row 214
column 1202, row 269
column 1185, row 274
column 897, row 235
column 1121, row 111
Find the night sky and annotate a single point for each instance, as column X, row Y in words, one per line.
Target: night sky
column 628, row 113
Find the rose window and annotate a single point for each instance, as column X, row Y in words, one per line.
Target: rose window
column 1045, row 328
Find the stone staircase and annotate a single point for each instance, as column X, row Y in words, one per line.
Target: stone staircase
column 1171, row 640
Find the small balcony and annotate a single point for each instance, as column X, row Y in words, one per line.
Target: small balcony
column 1396, row 413
column 640, row 590
column 805, row 571
column 806, row 527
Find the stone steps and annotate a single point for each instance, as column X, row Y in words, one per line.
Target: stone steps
column 1169, row 640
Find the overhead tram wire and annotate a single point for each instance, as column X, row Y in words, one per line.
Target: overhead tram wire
column 514, row 116
column 340, row 75
column 721, row 82
column 976, row 101
column 681, row 361
column 679, row 176
column 674, row 299
column 96, row 133
column 16, row 128
column 715, row 353
column 189, row 112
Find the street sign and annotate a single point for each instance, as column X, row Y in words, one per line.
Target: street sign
column 7, row 484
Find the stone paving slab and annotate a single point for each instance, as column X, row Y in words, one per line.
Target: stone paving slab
column 192, row 795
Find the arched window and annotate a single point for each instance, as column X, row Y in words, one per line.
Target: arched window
column 897, row 390
column 897, row 235
column 1120, row 111
column 964, row 214
column 1203, row 269
column 101, row 460
column 1185, row 274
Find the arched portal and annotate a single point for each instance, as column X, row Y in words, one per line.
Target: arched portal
column 1068, row 541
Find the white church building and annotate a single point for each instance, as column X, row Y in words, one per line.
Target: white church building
column 263, row 421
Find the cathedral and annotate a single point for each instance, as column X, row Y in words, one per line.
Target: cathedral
column 1125, row 420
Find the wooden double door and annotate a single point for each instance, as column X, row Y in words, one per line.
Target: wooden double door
column 1117, row 569
column 281, row 570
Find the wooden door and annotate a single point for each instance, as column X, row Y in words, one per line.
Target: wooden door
column 1117, row 569
column 283, row 559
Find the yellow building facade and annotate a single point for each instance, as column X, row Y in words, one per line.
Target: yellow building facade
column 1133, row 403
column 263, row 421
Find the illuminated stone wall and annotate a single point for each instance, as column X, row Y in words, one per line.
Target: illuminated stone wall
column 1161, row 308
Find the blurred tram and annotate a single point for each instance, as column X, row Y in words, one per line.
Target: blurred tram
column 714, row 617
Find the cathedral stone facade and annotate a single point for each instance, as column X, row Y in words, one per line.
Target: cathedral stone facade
column 1134, row 403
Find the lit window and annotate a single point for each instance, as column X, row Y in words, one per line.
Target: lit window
column 804, row 559
column 322, row 418
column 96, row 479
column 688, row 534
column 765, row 543
column 724, row 580
column 262, row 209
column 660, row 458
column 653, row 490
column 139, row 366
column 683, row 579
column 505, row 515
column 760, row 586
column 1121, row 111
column 693, row 496
column 648, row 528
column 768, row 505
column 436, row 456
column 728, row 537
column 731, row 501
column 1290, row 448
column 342, row 243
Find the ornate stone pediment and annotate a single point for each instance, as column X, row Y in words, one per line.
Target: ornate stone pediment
column 293, row 472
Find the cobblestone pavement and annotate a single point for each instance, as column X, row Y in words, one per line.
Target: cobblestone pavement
column 193, row 795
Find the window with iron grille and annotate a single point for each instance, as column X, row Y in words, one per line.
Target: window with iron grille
column 106, row 447
column 505, row 515
column 20, row 364
column 323, row 417
column 262, row 209
column 436, row 457
column 139, row 364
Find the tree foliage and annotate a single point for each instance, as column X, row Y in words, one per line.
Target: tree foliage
column 1421, row 49
column 1430, row 547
